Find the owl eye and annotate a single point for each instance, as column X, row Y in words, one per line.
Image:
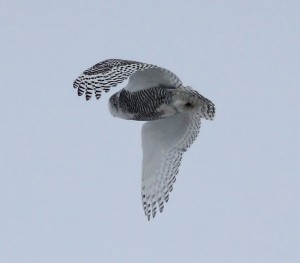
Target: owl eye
column 188, row 105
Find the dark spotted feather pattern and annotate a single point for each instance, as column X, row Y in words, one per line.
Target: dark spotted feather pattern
column 162, row 157
column 106, row 74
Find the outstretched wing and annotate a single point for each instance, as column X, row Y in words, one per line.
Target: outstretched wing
column 152, row 77
column 111, row 72
column 164, row 141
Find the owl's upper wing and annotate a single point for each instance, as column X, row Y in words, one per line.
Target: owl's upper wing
column 164, row 141
column 111, row 72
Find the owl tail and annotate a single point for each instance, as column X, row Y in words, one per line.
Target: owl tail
column 186, row 99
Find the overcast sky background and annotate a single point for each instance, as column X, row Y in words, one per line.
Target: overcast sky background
column 71, row 174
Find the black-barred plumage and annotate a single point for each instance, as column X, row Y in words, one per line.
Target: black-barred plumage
column 104, row 66
column 143, row 105
column 173, row 113
column 105, row 75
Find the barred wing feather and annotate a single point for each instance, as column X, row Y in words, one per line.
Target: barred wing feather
column 164, row 141
column 109, row 73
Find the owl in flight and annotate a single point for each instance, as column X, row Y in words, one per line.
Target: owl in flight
column 172, row 113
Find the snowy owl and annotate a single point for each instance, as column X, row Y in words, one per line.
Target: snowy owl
column 172, row 113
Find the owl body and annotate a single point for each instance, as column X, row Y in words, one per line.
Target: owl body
column 172, row 112
column 145, row 105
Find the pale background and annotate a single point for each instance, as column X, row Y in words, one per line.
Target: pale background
column 71, row 174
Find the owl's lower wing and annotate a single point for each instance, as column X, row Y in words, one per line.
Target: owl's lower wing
column 164, row 141
column 109, row 73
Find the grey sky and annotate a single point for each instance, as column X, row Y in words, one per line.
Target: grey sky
column 71, row 174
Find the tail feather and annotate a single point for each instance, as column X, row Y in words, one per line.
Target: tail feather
column 208, row 109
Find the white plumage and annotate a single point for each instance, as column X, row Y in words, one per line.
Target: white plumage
column 173, row 113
